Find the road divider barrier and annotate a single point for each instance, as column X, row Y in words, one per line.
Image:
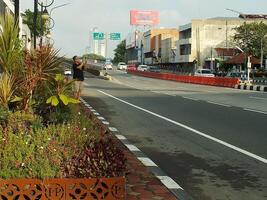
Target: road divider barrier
column 213, row 81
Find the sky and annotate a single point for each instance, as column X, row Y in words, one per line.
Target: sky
column 74, row 21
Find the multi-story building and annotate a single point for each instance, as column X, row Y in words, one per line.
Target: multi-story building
column 198, row 41
column 153, row 40
column 6, row 6
column 168, row 49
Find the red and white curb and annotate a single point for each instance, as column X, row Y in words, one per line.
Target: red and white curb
column 167, row 181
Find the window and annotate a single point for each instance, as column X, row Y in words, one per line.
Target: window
column 185, row 49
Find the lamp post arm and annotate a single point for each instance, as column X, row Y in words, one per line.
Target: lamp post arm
column 65, row 4
column 47, row 5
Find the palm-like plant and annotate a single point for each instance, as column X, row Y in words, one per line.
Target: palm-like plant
column 11, row 51
column 6, row 89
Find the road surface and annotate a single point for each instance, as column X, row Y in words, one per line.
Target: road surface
column 210, row 140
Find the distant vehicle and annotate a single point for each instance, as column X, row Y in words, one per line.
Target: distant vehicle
column 240, row 75
column 142, row 68
column 108, row 66
column 204, row 73
column 67, row 72
column 153, row 69
column 122, row 66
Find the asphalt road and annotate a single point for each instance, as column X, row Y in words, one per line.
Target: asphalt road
column 210, row 140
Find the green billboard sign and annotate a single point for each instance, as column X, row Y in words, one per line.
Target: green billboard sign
column 114, row 36
column 98, row 36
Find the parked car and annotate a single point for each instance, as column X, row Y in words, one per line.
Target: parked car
column 153, row 69
column 142, row 68
column 240, row 75
column 122, row 66
column 108, row 66
column 67, row 72
column 204, row 73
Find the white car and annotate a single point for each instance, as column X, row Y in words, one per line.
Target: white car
column 204, row 73
column 108, row 66
column 67, row 72
column 142, row 68
column 122, row 66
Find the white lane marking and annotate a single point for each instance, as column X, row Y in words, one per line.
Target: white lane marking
column 259, row 98
column 112, row 129
column 147, row 162
column 101, row 118
column 247, row 153
column 93, row 110
column 105, row 122
column 85, row 84
column 219, row 104
column 158, row 92
column 96, row 114
column 121, row 137
column 132, row 147
column 169, row 182
column 257, row 111
column 190, row 98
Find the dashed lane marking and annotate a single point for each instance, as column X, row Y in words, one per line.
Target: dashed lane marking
column 190, row 98
column 113, row 129
column 147, row 162
column 219, row 104
column 121, row 137
column 169, row 182
column 132, row 147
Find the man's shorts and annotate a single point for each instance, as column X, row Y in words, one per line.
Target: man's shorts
column 78, row 86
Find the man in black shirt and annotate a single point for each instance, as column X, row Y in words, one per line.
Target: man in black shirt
column 78, row 75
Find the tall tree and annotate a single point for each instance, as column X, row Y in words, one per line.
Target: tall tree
column 28, row 19
column 120, row 52
column 250, row 36
column 93, row 56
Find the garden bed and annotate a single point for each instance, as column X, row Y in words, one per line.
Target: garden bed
column 49, row 147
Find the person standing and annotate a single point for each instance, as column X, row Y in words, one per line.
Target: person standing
column 78, row 75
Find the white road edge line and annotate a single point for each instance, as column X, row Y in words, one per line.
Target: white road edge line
column 256, row 111
column 260, row 98
column 219, row 104
column 113, row 129
column 247, row 153
column 132, row 147
column 169, row 182
column 121, row 137
column 147, row 162
column 190, row 98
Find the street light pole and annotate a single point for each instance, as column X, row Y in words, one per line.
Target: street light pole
column 17, row 11
column 261, row 53
column 35, row 22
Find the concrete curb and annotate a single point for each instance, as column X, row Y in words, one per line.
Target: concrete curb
column 167, row 181
column 260, row 88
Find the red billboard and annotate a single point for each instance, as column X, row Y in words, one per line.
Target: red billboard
column 139, row 17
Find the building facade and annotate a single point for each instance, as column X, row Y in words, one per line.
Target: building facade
column 156, row 44
column 198, row 41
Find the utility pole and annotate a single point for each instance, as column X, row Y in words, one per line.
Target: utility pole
column 35, row 22
column 106, row 45
column 211, row 59
column 17, row 11
column 261, row 53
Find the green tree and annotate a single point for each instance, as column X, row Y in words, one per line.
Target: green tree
column 250, row 36
column 93, row 56
column 120, row 52
column 28, row 19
